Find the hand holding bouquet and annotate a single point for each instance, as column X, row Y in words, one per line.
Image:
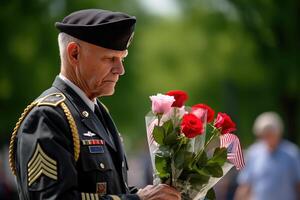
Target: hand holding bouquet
column 190, row 150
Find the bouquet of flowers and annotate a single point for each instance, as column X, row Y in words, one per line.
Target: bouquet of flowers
column 190, row 149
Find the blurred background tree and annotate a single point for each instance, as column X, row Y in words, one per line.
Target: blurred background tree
column 275, row 28
column 240, row 57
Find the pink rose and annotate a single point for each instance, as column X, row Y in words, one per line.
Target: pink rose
column 172, row 114
column 201, row 110
column 161, row 103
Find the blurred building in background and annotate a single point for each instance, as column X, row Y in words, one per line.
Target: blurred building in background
column 240, row 57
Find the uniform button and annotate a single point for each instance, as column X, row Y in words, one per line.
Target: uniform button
column 102, row 166
column 85, row 113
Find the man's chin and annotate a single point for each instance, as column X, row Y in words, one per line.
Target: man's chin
column 107, row 93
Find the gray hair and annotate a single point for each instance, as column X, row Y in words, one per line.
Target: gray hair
column 268, row 121
column 63, row 40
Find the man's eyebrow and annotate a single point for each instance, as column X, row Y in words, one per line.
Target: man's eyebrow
column 117, row 55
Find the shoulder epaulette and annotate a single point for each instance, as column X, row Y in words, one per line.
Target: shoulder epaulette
column 54, row 99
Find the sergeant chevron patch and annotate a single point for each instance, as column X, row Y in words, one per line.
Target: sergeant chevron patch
column 115, row 197
column 89, row 196
column 41, row 164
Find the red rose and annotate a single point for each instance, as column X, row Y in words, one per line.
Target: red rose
column 191, row 125
column 180, row 97
column 224, row 123
column 210, row 111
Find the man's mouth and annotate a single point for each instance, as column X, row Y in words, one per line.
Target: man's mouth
column 110, row 81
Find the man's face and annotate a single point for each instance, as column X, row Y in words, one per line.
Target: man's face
column 271, row 139
column 99, row 69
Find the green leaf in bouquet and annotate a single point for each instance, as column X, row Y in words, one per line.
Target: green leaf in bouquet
column 198, row 179
column 179, row 159
column 164, row 151
column 202, row 160
column 182, row 157
column 159, row 134
column 188, row 156
column 201, row 171
column 168, row 126
column 161, row 166
column 210, row 195
column 214, row 169
column 171, row 138
column 209, row 132
column 219, row 156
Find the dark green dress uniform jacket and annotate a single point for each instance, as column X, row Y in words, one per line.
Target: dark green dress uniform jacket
column 45, row 164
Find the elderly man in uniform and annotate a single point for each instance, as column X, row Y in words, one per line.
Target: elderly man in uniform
column 272, row 169
column 65, row 144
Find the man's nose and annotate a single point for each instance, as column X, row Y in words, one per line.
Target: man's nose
column 119, row 68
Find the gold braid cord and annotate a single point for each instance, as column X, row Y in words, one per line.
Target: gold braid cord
column 74, row 130
column 72, row 124
column 14, row 135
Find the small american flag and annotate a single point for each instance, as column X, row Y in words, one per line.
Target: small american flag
column 234, row 151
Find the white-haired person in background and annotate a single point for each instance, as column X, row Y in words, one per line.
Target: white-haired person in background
column 272, row 169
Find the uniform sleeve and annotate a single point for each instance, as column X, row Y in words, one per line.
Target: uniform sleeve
column 46, row 168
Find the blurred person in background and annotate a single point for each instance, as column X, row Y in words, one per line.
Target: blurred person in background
column 272, row 164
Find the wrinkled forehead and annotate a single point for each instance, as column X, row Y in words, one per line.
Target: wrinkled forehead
column 121, row 54
column 104, row 51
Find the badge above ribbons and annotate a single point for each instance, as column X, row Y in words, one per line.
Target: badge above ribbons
column 41, row 164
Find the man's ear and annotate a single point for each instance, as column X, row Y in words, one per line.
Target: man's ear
column 73, row 50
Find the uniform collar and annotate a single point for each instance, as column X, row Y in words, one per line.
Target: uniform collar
column 88, row 117
column 79, row 92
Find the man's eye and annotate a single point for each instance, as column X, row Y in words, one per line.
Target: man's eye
column 114, row 59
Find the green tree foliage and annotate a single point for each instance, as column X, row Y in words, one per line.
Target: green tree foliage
column 238, row 56
column 275, row 28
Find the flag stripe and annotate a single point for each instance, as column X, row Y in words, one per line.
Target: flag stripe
column 234, row 154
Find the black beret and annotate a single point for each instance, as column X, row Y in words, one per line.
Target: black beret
column 112, row 30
